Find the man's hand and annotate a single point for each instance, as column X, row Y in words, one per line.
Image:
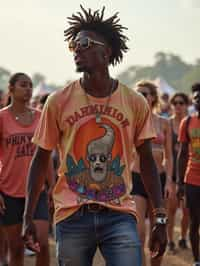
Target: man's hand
column 169, row 192
column 158, row 240
column 29, row 235
column 2, row 205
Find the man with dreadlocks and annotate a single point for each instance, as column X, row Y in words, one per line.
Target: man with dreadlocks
column 97, row 124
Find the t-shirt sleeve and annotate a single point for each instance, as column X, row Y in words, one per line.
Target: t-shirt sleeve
column 182, row 133
column 144, row 125
column 47, row 132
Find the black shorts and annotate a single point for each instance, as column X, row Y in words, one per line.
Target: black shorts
column 15, row 209
column 138, row 186
column 192, row 195
column 174, row 178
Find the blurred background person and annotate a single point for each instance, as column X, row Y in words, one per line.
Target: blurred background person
column 188, row 166
column 34, row 102
column 191, row 106
column 162, row 153
column 179, row 102
column 165, row 107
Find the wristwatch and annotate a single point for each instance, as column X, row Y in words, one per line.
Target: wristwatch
column 160, row 220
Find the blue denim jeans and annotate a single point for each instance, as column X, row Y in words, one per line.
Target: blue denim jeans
column 114, row 233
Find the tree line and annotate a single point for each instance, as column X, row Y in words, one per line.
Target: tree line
column 171, row 67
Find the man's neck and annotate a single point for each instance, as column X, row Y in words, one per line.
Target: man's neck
column 97, row 85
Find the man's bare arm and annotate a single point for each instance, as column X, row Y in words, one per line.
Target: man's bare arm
column 158, row 236
column 36, row 179
column 149, row 174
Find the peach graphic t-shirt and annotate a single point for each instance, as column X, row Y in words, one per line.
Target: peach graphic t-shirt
column 95, row 154
column 16, row 152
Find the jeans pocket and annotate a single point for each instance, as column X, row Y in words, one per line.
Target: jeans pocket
column 65, row 224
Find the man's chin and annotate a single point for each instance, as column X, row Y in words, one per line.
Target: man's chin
column 80, row 69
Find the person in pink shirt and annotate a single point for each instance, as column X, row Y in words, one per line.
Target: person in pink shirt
column 17, row 125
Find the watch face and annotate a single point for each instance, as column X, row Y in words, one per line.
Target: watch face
column 161, row 220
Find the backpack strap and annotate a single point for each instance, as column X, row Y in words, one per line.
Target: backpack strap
column 187, row 127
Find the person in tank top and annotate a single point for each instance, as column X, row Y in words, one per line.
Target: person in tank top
column 162, row 153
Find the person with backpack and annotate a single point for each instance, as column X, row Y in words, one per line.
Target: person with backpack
column 188, row 169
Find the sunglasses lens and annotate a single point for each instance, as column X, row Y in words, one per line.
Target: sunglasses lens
column 84, row 43
column 180, row 103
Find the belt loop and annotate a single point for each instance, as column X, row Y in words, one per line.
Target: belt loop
column 82, row 210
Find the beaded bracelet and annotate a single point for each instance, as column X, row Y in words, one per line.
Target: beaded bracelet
column 159, row 211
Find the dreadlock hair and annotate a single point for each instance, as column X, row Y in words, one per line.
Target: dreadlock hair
column 108, row 28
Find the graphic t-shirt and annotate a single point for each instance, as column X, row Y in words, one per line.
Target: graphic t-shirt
column 95, row 154
column 16, row 151
column 192, row 174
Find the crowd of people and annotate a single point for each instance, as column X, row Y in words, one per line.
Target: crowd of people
column 103, row 159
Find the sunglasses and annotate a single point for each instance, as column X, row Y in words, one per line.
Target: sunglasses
column 178, row 102
column 83, row 43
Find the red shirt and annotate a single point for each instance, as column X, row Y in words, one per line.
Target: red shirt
column 192, row 175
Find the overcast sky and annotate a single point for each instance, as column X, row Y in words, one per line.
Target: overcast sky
column 31, row 33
